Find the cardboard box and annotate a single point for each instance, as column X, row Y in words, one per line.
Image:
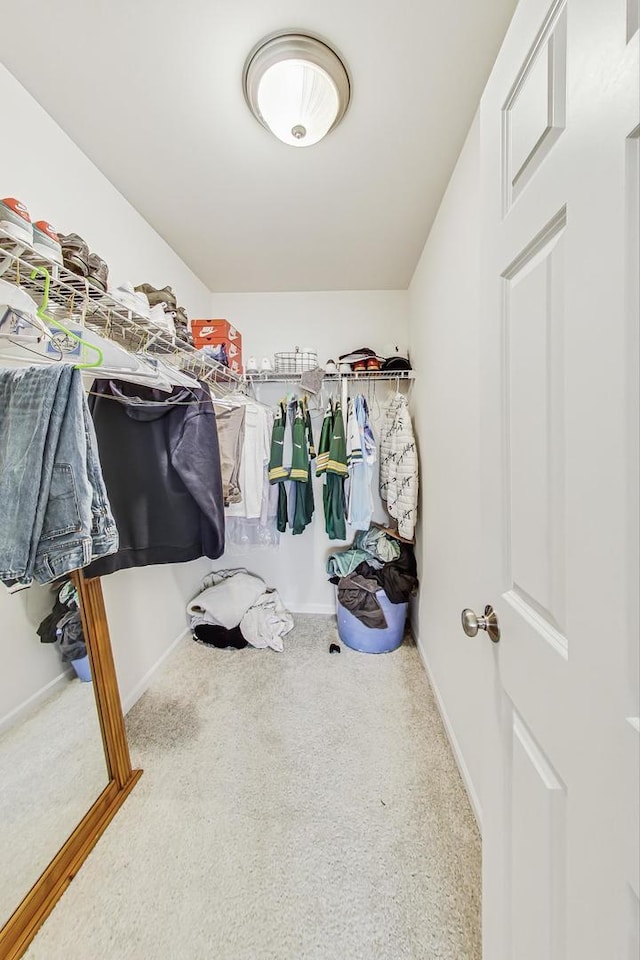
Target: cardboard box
column 216, row 332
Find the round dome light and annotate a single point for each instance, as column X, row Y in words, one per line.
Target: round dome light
column 297, row 87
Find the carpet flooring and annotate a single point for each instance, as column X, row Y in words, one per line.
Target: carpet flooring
column 295, row 806
column 52, row 768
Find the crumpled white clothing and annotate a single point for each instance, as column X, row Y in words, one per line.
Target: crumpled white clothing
column 267, row 622
column 227, row 601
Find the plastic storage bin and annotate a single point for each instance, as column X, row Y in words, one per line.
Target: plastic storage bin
column 82, row 668
column 367, row 639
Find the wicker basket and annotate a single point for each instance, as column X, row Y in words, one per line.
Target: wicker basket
column 296, row 361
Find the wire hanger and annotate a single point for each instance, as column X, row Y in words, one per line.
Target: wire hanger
column 44, row 316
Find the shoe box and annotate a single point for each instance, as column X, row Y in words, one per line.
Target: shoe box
column 214, row 332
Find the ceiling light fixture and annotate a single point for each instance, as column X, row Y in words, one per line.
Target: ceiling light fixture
column 297, row 87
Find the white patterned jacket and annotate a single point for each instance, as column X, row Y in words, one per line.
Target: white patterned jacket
column 399, row 465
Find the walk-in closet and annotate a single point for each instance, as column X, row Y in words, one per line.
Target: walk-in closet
column 319, row 472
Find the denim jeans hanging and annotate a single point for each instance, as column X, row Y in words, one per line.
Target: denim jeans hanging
column 54, row 512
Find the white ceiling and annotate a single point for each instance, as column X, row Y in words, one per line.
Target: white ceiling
column 151, row 90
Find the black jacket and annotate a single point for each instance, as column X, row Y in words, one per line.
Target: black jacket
column 161, row 466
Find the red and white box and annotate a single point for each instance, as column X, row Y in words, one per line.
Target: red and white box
column 216, row 332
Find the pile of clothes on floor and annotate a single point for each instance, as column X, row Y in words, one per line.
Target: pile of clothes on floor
column 64, row 625
column 377, row 560
column 235, row 608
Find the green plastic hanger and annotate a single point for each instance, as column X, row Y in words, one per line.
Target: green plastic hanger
column 42, row 314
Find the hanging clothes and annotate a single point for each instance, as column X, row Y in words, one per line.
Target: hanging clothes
column 289, row 466
column 278, row 473
column 331, row 464
column 399, row 465
column 300, row 469
column 162, row 470
column 249, row 521
column 308, row 489
column 55, row 515
column 361, row 457
column 230, row 424
column 258, row 422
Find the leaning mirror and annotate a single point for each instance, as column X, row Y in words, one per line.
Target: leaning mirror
column 52, row 760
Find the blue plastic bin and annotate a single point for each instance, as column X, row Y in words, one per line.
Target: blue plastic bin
column 82, row 668
column 367, row 639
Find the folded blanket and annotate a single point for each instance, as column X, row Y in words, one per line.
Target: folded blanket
column 227, row 601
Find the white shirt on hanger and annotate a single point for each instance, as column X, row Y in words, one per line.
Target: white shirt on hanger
column 258, row 425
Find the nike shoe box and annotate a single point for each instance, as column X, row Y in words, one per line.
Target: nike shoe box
column 214, row 332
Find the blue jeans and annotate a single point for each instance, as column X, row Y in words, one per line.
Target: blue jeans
column 54, row 513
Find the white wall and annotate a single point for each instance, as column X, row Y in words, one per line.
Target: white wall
column 42, row 167
column 444, row 338
column 30, row 670
column 331, row 323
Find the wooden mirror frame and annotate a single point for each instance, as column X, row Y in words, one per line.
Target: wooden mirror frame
column 24, row 923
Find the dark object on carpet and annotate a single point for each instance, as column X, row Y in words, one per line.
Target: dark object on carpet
column 334, row 648
column 212, row 635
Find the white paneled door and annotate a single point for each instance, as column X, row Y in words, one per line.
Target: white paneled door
column 559, row 468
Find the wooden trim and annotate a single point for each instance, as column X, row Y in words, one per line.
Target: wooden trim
column 22, row 926
column 95, row 626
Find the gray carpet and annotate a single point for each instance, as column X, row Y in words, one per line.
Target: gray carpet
column 296, row 806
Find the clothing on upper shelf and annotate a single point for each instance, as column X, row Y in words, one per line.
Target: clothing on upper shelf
column 399, row 465
column 332, row 465
column 161, row 467
column 55, row 515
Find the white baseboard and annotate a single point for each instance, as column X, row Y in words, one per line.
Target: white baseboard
column 34, row 701
column 319, row 609
column 143, row 685
column 453, row 740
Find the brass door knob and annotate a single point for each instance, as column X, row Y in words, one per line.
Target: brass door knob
column 471, row 623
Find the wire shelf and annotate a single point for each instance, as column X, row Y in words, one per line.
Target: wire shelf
column 75, row 298
column 274, row 377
